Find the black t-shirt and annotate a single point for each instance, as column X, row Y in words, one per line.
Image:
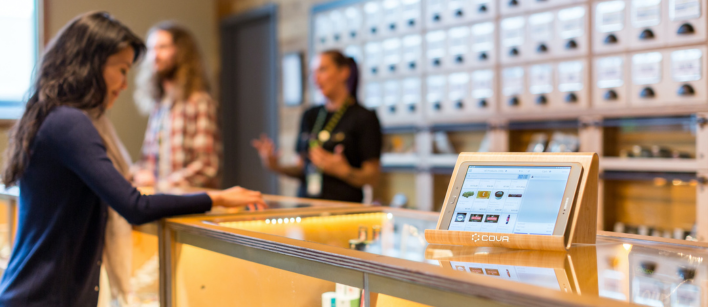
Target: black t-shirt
column 360, row 133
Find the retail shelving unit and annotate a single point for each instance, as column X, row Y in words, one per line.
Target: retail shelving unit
column 623, row 77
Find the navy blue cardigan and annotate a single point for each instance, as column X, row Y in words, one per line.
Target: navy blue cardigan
column 56, row 259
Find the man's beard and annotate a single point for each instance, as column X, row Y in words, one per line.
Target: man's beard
column 167, row 74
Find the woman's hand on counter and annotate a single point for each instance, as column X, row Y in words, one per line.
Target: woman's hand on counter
column 237, row 197
column 266, row 150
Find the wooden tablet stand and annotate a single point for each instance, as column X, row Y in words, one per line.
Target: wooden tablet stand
column 582, row 224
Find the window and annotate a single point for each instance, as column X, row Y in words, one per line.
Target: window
column 18, row 53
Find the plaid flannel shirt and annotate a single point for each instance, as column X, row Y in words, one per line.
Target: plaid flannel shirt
column 182, row 146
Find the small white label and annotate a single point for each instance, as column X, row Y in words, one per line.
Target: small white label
column 513, row 31
column 436, row 44
column 646, row 68
column 686, row 65
column 482, row 84
column 459, row 83
column 684, row 9
column 571, row 22
column 541, row 27
column 373, row 95
column 411, row 91
column 458, row 40
column 646, row 13
column 436, row 88
column 570, row 76
column 541, row 79
column 513, row 81
column 483, row 37
column 610, row 72
column 338, row 22
column 392, row 92
column 610, row 16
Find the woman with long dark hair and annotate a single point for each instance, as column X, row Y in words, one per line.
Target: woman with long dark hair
column 66, row 179
column 339, row 144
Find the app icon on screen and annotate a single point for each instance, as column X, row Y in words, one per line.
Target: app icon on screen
column 460, row 268
column 492, row 272
column 460, row 217
column 468, row 194
column 499, row 194
column 476, row 270
column 483, row 194
column 492, row 218
column 514, row 195
column 477, row 218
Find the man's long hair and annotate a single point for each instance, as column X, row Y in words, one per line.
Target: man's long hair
column 189, row 74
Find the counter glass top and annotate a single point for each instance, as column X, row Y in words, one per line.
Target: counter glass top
column 668, row 273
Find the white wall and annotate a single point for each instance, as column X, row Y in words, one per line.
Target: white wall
column 199, row 16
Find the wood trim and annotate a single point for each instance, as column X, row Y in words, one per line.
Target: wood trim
column 466, row 238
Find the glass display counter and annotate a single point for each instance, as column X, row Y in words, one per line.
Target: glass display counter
column 380, row 257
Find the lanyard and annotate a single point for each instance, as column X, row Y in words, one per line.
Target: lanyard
column 323, row 135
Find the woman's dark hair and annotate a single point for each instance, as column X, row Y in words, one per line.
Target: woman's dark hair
column 342, row 60
column 70, row 73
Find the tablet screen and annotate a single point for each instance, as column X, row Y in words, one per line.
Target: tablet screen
column 510, row 199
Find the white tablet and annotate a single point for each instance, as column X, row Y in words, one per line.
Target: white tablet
column 534, row 198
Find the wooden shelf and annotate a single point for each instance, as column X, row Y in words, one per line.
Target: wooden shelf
column 648, row 164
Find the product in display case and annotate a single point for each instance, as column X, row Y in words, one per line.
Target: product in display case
column 538, row 143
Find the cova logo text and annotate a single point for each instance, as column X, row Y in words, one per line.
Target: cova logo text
column 489, row 238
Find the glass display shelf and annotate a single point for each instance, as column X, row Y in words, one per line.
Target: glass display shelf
column 383, row 251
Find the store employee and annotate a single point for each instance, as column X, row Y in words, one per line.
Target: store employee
column 339, row 144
